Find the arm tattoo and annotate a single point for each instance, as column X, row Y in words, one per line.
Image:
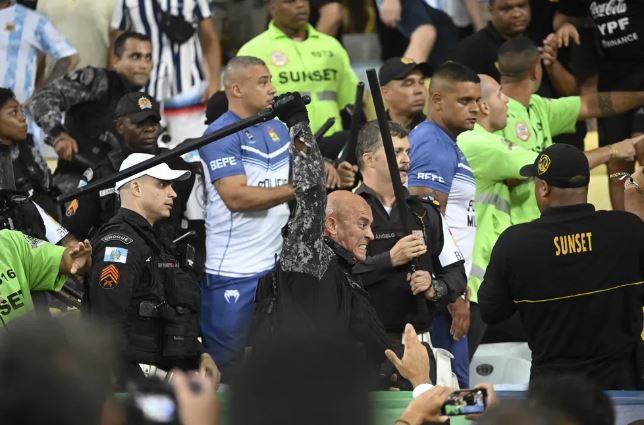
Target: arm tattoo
column 605, row 103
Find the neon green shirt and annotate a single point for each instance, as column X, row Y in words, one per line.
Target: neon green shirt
column 493, row 160
column 533, row 128
column 26, row 264
column 318, row 66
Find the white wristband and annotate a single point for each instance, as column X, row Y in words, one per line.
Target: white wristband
column 420, row 389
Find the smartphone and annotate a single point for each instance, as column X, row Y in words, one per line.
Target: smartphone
column 465, row 402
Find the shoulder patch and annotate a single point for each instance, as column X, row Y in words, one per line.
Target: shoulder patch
column 71, row 208
column 33, row 242
column 84, row 76
column 105, row 192
column 114, row 254
column 117, row 237
column 109, row 278
column 88, row 175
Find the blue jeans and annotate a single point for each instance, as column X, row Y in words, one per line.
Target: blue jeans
column 441, row 338
column 227, row 307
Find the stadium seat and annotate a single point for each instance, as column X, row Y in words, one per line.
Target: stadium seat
column 506, row 363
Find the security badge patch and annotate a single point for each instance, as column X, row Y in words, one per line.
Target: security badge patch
column 279, row 58
column 543, row 164
column 522, row 131
column 144, row 103
column 115, row 254
column 109, row 278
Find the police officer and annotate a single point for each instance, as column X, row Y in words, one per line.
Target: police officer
column 574, row 275
column 137, row 287
column 76, row 111
column 440, row 274
column 138, row 124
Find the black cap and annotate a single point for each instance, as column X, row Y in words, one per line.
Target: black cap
column 560, row 165
column 138, row 107
column 398, row 68
column 217, row 105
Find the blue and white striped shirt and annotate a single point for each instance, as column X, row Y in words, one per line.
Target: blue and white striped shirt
column 23, row 33
column 244, row 243
column 436, row 162
column 177, row 68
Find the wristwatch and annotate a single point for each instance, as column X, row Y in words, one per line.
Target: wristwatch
column 440, row 290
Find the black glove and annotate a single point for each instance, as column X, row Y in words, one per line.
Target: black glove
column 290, row 109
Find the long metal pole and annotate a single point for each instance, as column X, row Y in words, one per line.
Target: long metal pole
column 188, row 145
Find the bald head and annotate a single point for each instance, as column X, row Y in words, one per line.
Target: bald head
column 489, row 86
column 343, row 203
column 348, row 222
column 236, row 70
column 493, row 105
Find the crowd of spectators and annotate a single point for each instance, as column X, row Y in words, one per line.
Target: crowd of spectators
column 285, row 253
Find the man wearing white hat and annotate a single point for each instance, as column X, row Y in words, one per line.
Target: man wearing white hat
column 136, row 286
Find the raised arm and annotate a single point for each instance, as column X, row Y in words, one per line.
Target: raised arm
column 303, row 249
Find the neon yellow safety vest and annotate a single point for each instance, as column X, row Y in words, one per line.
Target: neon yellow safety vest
column 533, row 128
column 318, row 66
column 493, row 160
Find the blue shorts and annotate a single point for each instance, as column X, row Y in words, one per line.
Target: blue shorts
column 227, row 307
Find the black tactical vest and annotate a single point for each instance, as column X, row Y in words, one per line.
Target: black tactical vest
column 92, row 123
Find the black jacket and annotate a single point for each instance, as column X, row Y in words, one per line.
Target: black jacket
column 136, row 287
column 387, row 285
column 316, row 291
column 575, row 276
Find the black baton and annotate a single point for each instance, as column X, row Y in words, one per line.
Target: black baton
column 187, row 145
column 399, row 192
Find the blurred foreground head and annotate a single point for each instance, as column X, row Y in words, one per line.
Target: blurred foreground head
column 513, row 412
column 55, row 372
column 580, row 400
column 312, row 379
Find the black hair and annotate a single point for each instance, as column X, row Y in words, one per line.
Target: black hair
column 511, row 412
column 119, row 43
column 456, row 72
column 516, row 57
column 370, row 140
column 293, row 379
column 5, row 95
column 58, row 372
column 574, row 396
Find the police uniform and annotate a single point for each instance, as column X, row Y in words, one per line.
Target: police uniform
column 137, row 287
column 86, row 98
column 84, row 215
column 387, row 285
column 575, row 277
